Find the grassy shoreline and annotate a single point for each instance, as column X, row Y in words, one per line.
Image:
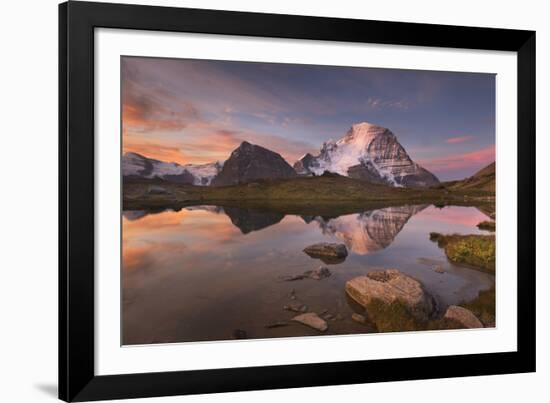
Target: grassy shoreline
column 487, row 226
column 475, row 251
column 327, row 195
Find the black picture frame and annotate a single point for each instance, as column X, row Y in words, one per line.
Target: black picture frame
column 77, row 379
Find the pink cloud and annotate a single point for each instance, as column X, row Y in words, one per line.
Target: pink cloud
column 454, row 162
column 459, row 139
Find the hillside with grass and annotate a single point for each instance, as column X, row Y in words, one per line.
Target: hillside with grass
column 483, row 180
column 325, row 192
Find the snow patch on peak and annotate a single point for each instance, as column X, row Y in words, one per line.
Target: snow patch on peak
column 368, row 152
column 350, row 150
column 361, row 134
column 204, row 173
column 134, row 164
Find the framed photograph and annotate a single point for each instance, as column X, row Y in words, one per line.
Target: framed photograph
column 256, row 201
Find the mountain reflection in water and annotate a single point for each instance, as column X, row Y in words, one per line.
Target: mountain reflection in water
column 202, row 272
column 371, row 230
column 362, row 233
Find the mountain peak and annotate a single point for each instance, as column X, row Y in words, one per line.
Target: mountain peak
column 365, row 126
column 250, row 162
column 369, row 152
column 361, row 135
column 135, row 165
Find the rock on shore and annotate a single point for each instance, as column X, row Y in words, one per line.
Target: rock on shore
column 463, row 316
column 389, row 286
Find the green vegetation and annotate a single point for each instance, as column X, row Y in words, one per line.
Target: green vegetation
column 482, row 180
column 487, row 226
column 396, row 317
column 476, row 251
column 483, row 307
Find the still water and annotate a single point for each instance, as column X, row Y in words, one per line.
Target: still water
column 209, row 272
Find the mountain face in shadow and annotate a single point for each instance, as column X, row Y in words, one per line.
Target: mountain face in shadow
column 250, row 162
column 369, row 231
column 251, row 220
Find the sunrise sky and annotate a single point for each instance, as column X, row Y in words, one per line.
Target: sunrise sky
column 195, row 111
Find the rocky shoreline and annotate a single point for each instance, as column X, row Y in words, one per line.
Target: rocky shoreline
column 385, row 301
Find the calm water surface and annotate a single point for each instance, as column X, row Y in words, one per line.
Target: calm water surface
column 202, row 272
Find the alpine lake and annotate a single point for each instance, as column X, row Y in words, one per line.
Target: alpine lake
column 212, row 272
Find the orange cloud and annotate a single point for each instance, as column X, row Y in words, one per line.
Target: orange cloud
column 459, row 139
column 157, row 110
column 204, row 142
column 156, row 150
column 476, row 159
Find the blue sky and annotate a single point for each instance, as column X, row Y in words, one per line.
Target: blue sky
column 195, row 111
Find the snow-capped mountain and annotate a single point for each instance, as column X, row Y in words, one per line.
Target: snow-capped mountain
column 368, row 152
column 135, row 165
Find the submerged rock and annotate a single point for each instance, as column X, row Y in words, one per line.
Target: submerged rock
column 327, row 250
column 439, row 269
column 463, row 316
column 389, row 286
column 312, row 320
column 317, row 274
column 295, row 307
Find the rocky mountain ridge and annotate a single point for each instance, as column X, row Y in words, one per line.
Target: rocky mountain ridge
column 250, row 162
column 368, row 152
column 135, row 165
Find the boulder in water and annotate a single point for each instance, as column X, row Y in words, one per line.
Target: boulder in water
column 327, row 250
column 389, row 286
column 312, row 320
